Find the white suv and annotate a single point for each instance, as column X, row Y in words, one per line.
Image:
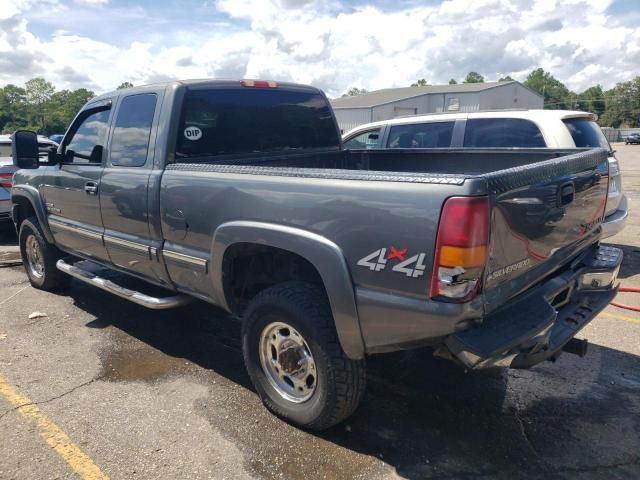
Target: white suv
column 506, row 128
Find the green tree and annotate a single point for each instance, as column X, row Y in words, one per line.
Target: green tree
column 63, row 107
column 556, row 95
column 473, row 77
column 355, row 91
column 506, row 79
column 38, row 92
column 124, row 85
column 622, row 104
column 592, row 100
column 420, row 83
column 13, row 110
column 453, row 81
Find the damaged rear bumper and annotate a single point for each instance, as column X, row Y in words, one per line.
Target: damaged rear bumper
column 537, row 325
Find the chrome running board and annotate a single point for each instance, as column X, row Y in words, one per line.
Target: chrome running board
column 154, row 303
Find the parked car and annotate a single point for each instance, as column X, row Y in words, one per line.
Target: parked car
column 56, row 138
column 7, row 170
column 632, row 138
column 239, row 194
column 493, row 129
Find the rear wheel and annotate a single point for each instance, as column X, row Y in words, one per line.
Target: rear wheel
column 39, row 258
column 293, row 356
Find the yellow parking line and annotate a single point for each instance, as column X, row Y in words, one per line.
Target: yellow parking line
column 52, row 434
column 624, row 318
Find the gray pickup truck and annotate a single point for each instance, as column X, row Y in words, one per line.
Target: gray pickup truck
column 239, row 194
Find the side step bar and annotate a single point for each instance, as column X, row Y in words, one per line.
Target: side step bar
column 155, row 303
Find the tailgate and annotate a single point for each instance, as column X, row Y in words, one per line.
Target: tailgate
column 542, row 216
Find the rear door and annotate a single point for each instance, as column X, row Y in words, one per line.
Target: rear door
column 71, row 194
column 127, row 185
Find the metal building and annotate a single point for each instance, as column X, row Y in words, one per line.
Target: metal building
column 464, row 97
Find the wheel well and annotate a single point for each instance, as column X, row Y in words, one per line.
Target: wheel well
column 23, row 211
column 249, row 268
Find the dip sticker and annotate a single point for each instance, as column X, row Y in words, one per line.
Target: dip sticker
column 192, row 133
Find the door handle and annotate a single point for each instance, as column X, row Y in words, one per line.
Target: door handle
column 91, row 188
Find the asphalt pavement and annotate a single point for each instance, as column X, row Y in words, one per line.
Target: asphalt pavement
column 98, row 387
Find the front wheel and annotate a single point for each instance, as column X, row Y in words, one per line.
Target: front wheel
column 293, row 356
column 39, row 257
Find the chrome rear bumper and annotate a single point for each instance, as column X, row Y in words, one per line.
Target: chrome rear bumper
column 615, row 223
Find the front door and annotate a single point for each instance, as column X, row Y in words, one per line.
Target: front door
column 71, row 191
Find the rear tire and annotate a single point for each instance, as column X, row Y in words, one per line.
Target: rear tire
column 303, row 376
column 39, row 258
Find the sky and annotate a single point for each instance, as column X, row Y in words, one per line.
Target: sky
column 334, row 44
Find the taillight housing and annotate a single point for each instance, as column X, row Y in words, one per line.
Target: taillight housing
column 461, row 249
column 259, row 83
column 6, row 180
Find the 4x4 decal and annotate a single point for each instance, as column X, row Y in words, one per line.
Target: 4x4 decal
column 413, row 266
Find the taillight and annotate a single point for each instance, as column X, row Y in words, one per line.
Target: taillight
column 6, row 180
column 259, row 83
column 461, row 249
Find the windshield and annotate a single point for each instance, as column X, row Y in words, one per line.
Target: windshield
column 232, row 121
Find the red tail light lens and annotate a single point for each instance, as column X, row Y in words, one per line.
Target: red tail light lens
column 6, row 180
column 461, row 248
column 259, row 83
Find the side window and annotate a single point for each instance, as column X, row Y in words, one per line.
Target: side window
column 85, row 146
column 502, row 132
column 364, row 140
column 586, row 133
column 421, row 135
column 453, row 104
column 130, row 140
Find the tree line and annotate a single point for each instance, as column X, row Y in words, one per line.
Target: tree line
column 617, row 107
column 38, row 106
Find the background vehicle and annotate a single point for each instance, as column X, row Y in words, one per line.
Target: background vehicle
column 239, row 194
column 56, row 138
column 500, row 129
column 632, row 138
column 7, row 170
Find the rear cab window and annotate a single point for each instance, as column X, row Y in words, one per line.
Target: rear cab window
column 502, row 132
column 586, row 133
column 225, row 121
column 364, row 140
column 421, row 135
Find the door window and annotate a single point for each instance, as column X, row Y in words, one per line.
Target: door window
column 132, row 129
column 364, row 140
column 421, row 135
column 85, row 146
column 502, row 132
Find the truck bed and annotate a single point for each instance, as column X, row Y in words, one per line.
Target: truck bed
column 459, row 162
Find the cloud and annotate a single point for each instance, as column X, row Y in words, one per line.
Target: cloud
column 330, row 44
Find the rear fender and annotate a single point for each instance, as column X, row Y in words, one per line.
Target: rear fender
column 322, row 253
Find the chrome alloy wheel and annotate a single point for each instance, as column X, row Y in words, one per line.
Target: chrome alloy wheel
column 35, row 261
column 287, row 362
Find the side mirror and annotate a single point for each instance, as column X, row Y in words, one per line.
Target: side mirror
column 24, row 149
column 53, row 157
column 96, row 154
